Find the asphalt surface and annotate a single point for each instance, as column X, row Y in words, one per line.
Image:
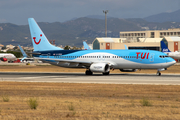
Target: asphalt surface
column 132, row 78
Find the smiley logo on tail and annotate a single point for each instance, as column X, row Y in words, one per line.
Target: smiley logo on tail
column 38, row 41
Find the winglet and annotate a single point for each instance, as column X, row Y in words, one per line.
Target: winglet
column 86, row 46
column 164, row 48
column 126, row 48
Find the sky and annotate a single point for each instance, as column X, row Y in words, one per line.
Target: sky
column 18, row 11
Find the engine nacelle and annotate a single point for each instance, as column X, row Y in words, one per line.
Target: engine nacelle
column 100, row 67
column 128, row 70
column 4, row 59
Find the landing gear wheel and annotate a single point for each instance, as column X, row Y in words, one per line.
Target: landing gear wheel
column 106, row 73
column 158, row 74
column 88, row 72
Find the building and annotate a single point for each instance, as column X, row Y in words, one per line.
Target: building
column 1, row 46
column 118, row 43
column 173, row 43
column 134, row 35
column 10, row 46
column 106, row 43
column 144, row 43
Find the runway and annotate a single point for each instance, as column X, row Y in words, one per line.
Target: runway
column 164, row 79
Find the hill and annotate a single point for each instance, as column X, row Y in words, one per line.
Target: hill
column 75, row 31
column 165, row 17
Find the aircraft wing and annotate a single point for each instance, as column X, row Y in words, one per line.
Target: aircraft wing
column 71, row 62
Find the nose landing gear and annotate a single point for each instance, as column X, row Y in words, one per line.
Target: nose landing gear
column 158, row 73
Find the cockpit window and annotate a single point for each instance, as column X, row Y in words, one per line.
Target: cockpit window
column 163, row 56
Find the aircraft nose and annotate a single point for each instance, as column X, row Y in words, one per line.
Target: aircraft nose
column 172, row 62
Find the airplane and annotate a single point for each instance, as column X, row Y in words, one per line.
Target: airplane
column 7, row 57
column 100, row 61
column 174, row 55
column 86, row 46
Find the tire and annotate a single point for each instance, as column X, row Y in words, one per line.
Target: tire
column 88, row 72
column 158, row 74
column 106, row 73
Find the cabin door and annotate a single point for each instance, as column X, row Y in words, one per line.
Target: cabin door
column 151, row 57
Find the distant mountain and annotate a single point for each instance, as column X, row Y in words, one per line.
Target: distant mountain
column 73, row 32
column 165, row 17
column 68, row 33
column 102, row 17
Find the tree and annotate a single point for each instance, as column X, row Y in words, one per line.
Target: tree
column 16, row 47
column 67, row 47
column 3, row 48
column 17, row 54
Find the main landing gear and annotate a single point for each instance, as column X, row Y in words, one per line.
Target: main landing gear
column 88, row 72
column 106, row 73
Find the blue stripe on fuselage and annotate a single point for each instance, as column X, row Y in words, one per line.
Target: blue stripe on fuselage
column 145, row 56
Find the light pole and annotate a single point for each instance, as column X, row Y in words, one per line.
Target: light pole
column 105, row 11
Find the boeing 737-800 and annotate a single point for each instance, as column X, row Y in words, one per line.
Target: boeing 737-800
column 96, row 60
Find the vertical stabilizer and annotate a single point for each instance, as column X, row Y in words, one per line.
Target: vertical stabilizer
column 39, row 40
column 164, row 48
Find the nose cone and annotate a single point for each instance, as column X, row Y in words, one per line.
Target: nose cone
column 173, row 62
column 170, row 61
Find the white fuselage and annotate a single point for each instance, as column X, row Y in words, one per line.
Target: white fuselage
column 126, row 59
column 8, row 56
column 174, row 55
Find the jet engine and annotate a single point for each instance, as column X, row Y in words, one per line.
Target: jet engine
column 4, row 59
column 100, row 67
column 128, row 70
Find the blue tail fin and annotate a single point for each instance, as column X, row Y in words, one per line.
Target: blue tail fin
column 39, row 40
column 23, row 53
column 86, row 46
column 164, row 48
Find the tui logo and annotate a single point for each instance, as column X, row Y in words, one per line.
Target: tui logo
column 142, row 55
column 38, row 41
